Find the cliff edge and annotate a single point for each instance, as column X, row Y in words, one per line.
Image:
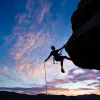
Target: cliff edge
column 83, row 46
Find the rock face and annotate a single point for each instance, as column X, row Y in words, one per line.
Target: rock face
column 83, row 46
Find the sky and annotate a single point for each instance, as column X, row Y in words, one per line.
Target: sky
column 28, row 29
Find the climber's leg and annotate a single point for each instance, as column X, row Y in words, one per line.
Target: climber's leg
column 61, row 58
column 62, row 70
column 65, row 57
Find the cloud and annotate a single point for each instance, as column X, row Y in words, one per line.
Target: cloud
column 98, row 86
column 9, row 76
column 30, row 6
column 63, row 3
column 84, row 89
column 46, row 6
column 22, row 18
column 51, row 90
column 5, row 69
column 98, row 78
column 76, row 75
column 29, row 38
column 33, row 91
column 32, row 85
column 85, row 75
column 94, row 83
column 1, row 81
column 26, row 50
column 59, row 81
column 39, row 8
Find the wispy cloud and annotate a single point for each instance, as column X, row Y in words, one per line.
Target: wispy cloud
column 94, row 83
column 64, row 2
column 38, row 8
column 30, row 38
column 24, row 51
column 4, row 73
column 46, row 6
column 22, row 18
column 9, row 76
column 72, row 77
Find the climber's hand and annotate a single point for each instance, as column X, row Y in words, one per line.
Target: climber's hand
column 64, row 46
column 45, row 60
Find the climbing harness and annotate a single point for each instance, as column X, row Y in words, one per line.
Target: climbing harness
column 60, row 54
column 45, row 80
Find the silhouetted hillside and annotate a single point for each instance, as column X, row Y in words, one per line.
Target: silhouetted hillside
column 90, row 97
column 4, row 95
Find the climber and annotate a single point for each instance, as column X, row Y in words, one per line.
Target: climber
column 57, row 56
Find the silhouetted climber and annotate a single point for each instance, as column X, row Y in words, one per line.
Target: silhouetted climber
column 57, row 56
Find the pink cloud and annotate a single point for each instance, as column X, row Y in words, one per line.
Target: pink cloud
column 92, row 76
column 46, row 6
column 42, row 8
column 85, row 75
column 5, row 69
column 58, row 81
column 1, row 81
column 25, row 47
column 81, row 76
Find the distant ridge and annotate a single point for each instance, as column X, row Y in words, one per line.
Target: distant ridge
column 5, row 95
column 90, row 97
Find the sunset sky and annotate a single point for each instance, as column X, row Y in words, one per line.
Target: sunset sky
column 28, row 28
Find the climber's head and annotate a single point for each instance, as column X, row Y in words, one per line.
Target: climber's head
column 52, row 47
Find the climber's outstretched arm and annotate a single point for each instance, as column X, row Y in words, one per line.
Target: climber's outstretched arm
column 61, row 48
column 48, row 57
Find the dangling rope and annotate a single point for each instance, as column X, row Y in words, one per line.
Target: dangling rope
column 45, row 80
column 45, row 74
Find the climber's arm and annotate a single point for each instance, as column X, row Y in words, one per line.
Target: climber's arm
column 48, row 57
column 61, row 48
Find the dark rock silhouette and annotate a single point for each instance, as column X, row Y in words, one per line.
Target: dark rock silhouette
column 4, row 95
column 83, row 46
column 90, row 97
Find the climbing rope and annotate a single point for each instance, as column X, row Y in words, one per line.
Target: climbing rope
column 45, row 80
column 45, row 72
